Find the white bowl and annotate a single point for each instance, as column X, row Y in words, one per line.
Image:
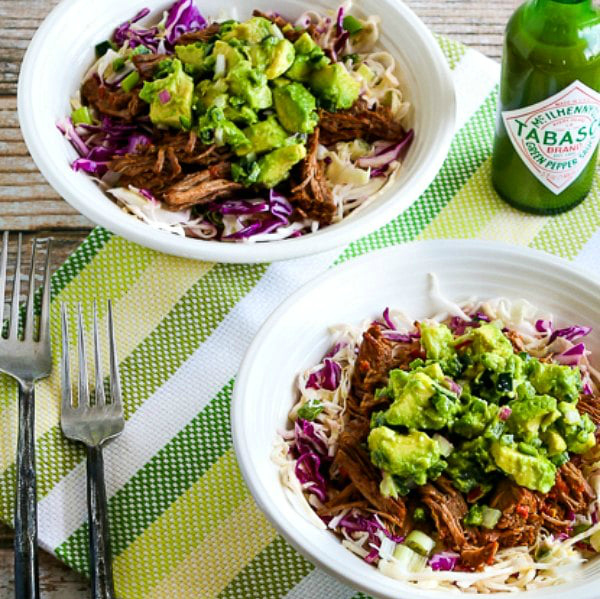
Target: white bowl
column 63, row 49
column 295, row 337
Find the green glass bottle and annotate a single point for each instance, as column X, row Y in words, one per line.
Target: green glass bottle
column 548, row 122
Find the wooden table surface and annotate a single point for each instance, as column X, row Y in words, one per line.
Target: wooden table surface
column 29, row 204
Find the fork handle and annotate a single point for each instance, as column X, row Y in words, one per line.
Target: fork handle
column 27, row 584
column 100, row 553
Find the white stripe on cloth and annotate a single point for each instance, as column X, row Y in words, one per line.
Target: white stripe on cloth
column 589, row 256
column 179, row 399
column 474, row 78
column 166, row 412
column 318, row 584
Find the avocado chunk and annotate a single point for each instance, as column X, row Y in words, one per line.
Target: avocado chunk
column 249, row 84
column 486, row 339
column 263, row 136
column 253, row 30
column 295, row 107
column 275, row 166
column 306, row 45
column 529, row 415
column 212, row 93
column 412, row 459
column 437, row 341
column 170, row 98
column 577, row 429
column 195, row 57
column 282, row 59
column 562, row 382
column 471, row 466
column 335, row 86
column 420, row 402
column 554, row 443
column 534, row 472
column 475, row 415
column 240, row 115
column 232, row 56
column 214, row 127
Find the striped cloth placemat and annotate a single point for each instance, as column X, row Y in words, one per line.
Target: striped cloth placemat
column 183, row 523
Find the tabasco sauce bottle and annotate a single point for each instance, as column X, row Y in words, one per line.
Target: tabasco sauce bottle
column 548, row 123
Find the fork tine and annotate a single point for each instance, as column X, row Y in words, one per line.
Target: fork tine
column 16, row 292
column 99, row 388
column 29, row 318
column 84, row 391
column 65, row 365
column 115, row 383
column 45, row 307
column 3, row 276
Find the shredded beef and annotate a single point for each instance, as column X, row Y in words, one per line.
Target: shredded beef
column 155, row 167
column 201, row 188
column 115, row 103
column 204, row 35
column 287, row 28
column 146, row 64
column 590, row 405
column 354, row 462
column 477, row 557
column 447, row 508
column 313, row 197
column 520, row 521
column 571, row 493
column 359, row 122
column 376, row 357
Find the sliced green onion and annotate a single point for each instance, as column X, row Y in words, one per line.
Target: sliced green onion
column 81, row 115
column 408, row 560
column 595, row 541
column 103, row 47
column 118, row 64
column 418, row 541
column 352, row 25
column 141, row 50
column 130, row 81
column 489, row 516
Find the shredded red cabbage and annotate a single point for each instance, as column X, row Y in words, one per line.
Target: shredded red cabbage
column 444, row 561
column 388, row 155
column 97, row 144
column 270, row 215
column 183, row 17
column 306, row 439
column 136, row 36
column 334, row 350
column 307, row 471
column 327, row 377
column 458, row 326
column 570, row 333
column 587, row 387
column 354, row 522
column 572, row 356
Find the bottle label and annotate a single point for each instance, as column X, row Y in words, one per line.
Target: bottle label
column 556, row 138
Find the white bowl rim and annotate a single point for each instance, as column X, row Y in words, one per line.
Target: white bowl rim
column 241, row 442
column 328, row 238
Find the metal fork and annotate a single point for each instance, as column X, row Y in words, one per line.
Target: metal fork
column 93, row 423
column 25, row 355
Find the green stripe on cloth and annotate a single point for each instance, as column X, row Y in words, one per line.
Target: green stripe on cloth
column 567, row 233
column 180, row 333
column 453, row 50
column 271, row 574
column 468, row 151
column 162, row 480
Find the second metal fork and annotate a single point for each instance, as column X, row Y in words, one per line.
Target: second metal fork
column 93, row 423
column 26, row 355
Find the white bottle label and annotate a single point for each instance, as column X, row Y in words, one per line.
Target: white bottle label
column 556, row 138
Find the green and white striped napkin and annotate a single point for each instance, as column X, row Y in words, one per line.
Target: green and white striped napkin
column 183, row 523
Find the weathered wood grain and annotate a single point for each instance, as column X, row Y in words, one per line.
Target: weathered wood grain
column 28, row 204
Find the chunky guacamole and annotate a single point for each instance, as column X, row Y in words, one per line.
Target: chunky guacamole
column 506, row 414
column 240, row 130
